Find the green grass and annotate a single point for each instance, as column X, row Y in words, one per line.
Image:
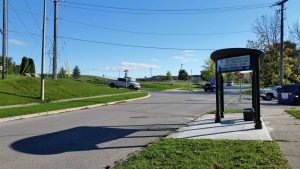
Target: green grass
column 294, row 112
column 21, row 90
column 228, row 110
column 160, row 86
column 207, row 154
column 247, row 92
column 10, row 112
column 189, row 88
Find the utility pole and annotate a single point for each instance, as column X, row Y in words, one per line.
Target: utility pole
column 54, row 73
column 4, row 44
column 181, row 67
column 281, row 3
column 150, row 72
column 126, row 77
column 42, row 94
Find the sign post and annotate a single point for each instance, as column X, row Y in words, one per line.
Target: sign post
column 234, row 60
column 241, row 76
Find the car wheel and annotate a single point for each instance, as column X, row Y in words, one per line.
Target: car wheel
column 269, row 97
column 296, row 101
column 131, row 87
column 112, row 85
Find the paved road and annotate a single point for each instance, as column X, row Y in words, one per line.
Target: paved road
column 98, row 137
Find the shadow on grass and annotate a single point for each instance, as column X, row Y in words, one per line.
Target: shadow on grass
column 19, row 95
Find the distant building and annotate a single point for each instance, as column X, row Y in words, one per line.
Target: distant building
column 163, row 78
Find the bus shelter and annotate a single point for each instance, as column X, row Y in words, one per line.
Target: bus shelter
column 233, row 60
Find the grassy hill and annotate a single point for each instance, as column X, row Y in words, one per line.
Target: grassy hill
column 159, row 86
column 21, row 90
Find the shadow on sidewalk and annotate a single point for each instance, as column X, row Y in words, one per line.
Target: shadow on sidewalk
column 85, row 138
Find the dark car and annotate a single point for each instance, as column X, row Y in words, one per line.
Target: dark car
column 289, row 94
column 209, row 87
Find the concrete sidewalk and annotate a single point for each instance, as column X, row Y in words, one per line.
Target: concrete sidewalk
column 285, row 130
column 232, row 127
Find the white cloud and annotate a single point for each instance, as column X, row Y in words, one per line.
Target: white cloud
column 16, row 42
column 186, row 56
column 128, row 66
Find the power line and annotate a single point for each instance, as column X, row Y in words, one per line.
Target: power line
column 134, row 46
column 151, row 33
column 168, row 10
column 136, row 32
column 18, row 16
column 168, row 13
column 34, row 19
column 121, row 44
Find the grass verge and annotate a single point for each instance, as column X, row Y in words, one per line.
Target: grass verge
column 228, row 110
column 160, row 86
column 190, row 88
column 210, row 154
column 22, row 90
column 10, row 112
column 294, row 112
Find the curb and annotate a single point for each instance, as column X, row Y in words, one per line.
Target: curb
column 68, row 110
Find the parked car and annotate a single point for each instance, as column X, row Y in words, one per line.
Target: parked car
column 229, row 83
column 209, row 87
column 289, row 94
column 269, row 94
column 121, row 82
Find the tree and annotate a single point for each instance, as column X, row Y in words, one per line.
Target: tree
column 24, row 65
column 12, row 68
column 270, row 68
column 27, row 66
column 267, row 30
column 208, row 71
column 76, row 72
column 62, row 73
column 295, row 33
column 31, row 68
column 183, row 75
column 169, row 76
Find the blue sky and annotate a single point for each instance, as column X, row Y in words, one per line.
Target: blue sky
column 97, row 59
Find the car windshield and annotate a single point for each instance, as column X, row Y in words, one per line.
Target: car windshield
column 275, row 87
column 131, row 79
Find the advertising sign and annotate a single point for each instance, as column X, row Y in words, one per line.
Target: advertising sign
column 239, row 63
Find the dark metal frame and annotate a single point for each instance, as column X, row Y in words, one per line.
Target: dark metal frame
column 255, row 61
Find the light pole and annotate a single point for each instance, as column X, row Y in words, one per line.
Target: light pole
column 181, row 67
column 150, row 72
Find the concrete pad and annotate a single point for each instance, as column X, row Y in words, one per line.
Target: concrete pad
column 232, row 127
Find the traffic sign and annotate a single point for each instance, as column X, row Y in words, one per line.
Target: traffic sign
column 241, row 76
